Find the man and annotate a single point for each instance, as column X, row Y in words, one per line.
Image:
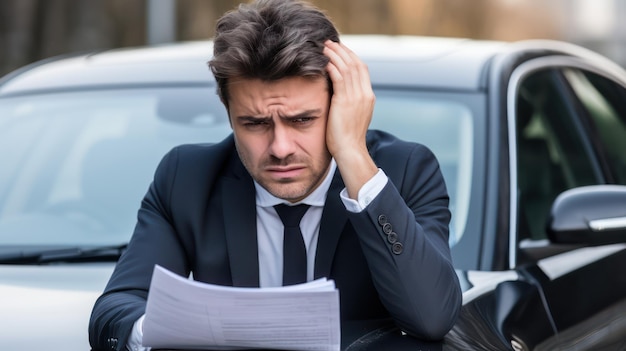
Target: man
column 299, row 104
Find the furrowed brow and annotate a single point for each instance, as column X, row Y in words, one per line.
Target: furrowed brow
column 253, row 119
column 307, row 113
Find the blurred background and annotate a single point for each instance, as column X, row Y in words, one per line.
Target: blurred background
column 35, row 29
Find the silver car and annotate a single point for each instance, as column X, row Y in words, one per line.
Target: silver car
column 530, row 137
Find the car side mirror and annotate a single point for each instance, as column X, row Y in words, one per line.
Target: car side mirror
column 591, row 215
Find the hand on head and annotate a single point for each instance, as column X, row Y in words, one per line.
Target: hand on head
column 351, row 109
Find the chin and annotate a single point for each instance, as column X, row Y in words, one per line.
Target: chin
column 288, row 194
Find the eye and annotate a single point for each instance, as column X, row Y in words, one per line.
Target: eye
column 255, row 124
column 302, row 120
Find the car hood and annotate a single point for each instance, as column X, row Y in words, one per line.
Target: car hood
column 48, row 307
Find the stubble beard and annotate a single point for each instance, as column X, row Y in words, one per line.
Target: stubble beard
column 287, row 189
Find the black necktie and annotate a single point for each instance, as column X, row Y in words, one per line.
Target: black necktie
column 294, row 250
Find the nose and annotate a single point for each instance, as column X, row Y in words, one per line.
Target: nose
column 282, row 144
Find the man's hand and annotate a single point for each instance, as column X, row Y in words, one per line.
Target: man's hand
column 351, row 108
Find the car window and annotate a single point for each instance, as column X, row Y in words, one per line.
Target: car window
column 605, row 102
column 444, row 126
column 552, row 155
column 76, row 165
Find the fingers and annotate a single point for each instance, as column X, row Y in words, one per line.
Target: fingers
column 346, row 69
column 349, row 116
column 352, row 102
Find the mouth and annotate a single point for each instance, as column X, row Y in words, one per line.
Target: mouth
column 282, row 172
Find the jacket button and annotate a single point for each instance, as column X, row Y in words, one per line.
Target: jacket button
column 397, row 248
column 382, row 219
column 112, row 343
column 387, row 228
column 392, row 237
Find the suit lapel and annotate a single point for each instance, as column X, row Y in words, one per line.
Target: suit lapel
column 239, row 202
column 334, row 218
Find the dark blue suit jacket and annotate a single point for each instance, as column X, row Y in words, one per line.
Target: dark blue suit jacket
column 199, row 216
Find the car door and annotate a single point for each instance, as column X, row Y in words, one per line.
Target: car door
column 570, row 134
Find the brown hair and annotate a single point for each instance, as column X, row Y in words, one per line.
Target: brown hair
column 270, row 40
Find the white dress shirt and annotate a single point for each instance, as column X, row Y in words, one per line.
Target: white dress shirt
column 270, row 232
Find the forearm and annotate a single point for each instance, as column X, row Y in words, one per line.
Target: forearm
column 123, row 301
column 356, row 168
column 417, row 284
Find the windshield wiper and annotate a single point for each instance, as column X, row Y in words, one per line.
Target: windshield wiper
column 64, row 255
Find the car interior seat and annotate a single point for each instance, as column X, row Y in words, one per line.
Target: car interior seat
column 535, row 175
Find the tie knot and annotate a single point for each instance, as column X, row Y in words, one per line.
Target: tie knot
column 291, row 215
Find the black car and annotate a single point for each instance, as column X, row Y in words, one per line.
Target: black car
column 530, row 136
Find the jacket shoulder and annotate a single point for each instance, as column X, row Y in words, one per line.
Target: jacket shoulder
column 383, row 146
column 398, row 158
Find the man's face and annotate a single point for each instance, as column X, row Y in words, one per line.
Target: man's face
column 280, row 132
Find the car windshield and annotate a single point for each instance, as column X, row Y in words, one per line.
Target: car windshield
column 75, row 165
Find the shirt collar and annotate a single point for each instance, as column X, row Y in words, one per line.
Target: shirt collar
column 316, row 198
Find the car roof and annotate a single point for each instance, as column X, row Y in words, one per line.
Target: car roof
column 436, row 63
column 167, row 64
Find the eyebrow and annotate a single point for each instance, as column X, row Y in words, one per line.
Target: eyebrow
column 307, row 113
column 253, row 119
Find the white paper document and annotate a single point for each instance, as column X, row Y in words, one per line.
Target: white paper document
column 185, row 314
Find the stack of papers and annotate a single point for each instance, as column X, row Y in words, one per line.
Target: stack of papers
column 185, row 314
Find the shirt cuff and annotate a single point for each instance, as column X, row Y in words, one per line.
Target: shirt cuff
column 136, row 335
column 367, row 193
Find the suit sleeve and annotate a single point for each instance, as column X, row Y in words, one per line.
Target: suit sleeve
column 154, row 241
column 404, row 236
